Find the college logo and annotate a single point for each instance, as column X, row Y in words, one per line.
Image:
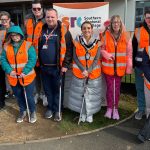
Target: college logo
column 72, row 21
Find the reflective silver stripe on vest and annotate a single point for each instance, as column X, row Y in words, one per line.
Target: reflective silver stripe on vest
column 65, row 28
column 138, row 39
column 75, row 66
column 28, row 44
column 62, row 56
column 138, row 34
column 149, row 51
column 83, row 58
column 119, row 54
column 29, row 36
column 18, row 65
column 36, row 36
column 96, row 67
column 63, row 45
column 36, row 47
column 112, row 65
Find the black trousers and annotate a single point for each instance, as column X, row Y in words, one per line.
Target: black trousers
column 2, row 87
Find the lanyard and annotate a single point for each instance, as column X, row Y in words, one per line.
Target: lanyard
column 49, row 35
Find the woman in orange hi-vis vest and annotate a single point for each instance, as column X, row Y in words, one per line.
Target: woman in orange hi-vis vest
column 116, row 62
column 18, row 60
column 85, row 90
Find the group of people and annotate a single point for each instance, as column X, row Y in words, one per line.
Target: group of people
column 36, row 59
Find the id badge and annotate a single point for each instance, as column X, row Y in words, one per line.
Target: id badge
column 45, row 46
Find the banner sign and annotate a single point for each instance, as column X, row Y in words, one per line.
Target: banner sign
column 74, row 14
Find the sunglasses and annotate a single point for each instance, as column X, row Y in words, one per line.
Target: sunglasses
column 38, row 9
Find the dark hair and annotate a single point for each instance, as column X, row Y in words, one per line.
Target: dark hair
column 38, row 2
column 4, row 13
column 146, row 12
column 51, row 9
column 86, row 22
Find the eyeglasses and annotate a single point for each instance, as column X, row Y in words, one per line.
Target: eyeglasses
column 4, row 20
column 116, row 22
column 38, row 9
column 147, row 18
column 14, row 35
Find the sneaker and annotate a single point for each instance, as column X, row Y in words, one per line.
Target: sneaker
column 45, row 102
column 33, row 117
column 83, row 118
column 21, row 116
column 89, row 119
column 48, row 114
column 57, row 117
column 13, row 96
column 116, row 114
column 139, row 115
column 36, row 97
column 108, row 114
column 7, row 95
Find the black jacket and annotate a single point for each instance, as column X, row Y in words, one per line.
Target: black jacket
column 135, row 46
column 69, row 46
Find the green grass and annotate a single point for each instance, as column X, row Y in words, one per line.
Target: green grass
column 129, row 78
column 69, row 124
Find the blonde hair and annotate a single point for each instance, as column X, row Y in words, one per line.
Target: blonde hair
column 112, row 20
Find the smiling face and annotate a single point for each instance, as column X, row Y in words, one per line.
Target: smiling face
column 37, row 10
column 87, row 30
column 51, row 18
column 5, row 21
column 15, row 37
column 116, row 24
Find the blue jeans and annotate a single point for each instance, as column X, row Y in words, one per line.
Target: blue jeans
column 51, row 83
column 19, row 93
column 139, row 83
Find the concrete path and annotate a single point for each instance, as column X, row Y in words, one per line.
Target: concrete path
column 119, row 137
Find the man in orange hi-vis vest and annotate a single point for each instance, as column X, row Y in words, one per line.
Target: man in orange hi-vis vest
column 33, row 27
column 140, row 41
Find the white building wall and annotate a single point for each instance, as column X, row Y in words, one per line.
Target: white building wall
column 117, row 7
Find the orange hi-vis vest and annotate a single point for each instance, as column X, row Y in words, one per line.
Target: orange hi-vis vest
column 147, row 83
column 119, row 51
column 81, row 53
column 18, row 62
column 33, row 33
column 142, row 37
column 64, row 30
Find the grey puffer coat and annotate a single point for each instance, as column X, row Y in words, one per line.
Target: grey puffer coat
column 91, row 93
